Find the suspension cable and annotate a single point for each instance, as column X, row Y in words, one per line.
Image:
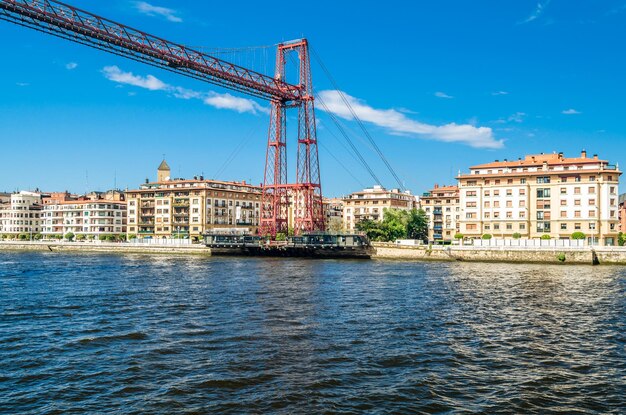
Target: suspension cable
column 356, row 117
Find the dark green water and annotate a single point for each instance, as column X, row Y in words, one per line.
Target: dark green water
column 162, row 335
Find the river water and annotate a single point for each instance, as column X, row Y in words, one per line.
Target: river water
column 161, row 335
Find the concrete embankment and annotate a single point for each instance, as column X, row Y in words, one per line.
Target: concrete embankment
column 114, row 248
column 586, row 255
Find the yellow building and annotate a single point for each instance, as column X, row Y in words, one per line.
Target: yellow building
column 543, row 194
column 188, row 208
column 371, row 203
column 442, row 208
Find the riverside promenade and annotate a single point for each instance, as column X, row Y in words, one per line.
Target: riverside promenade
column 585, row 255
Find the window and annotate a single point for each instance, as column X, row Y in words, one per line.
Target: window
column 470, row 227
column 496, row 226
column 470, row 215
column 498, row 181
column 563, row 214
column 487, row 227
column 563, row 190
column 543, row 179
column 592, row 202
column 576, row 202
column 470, row 204
column 592, row 226
column 509, row 192
column 563, row 202
column 509, row 203
column 509, row 215
column 496, row 204
column 564, row 226
column 522, row 215
column 471, row 182
column 592, row 190
column 471, row 193
column 487, row 215
column 522, row 192
column 592, row 213
column 543, row 227
column 522, row 226
column 541, row 193
column 522, row 181
column 487, row 193
column 509, row 226
column 563, row 179
column 487, row 204
column 522, row 203
column 496, row 193
column 496, row 214
column 577, row 213
column 577, row 179
column 509, row 181
column 592, row 178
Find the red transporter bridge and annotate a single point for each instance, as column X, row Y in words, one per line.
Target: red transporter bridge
column 305, row 194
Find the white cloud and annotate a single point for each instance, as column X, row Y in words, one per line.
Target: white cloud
column 71, row 65
column 115, row 74
column 499, row 93
column 398, row 123
column 440, row 94
column 228, row 101
column 517, row 117
column 539, row 10
column 22, row 84
column 150, row 10
column 214, row 99
column 571, row 111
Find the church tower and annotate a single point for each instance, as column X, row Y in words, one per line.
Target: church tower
column 163, row 172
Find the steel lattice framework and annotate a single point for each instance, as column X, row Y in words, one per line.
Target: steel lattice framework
column 304, row 196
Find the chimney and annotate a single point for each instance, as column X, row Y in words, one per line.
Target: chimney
column 147, row 180
column 561, row 155
column 505, row 160
column 595, row 156
column 583, row 154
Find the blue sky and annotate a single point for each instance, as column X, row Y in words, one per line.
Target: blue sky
column 440, row 86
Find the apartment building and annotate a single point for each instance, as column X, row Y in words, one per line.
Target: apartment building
column 173, row 207
column 543, row 194
column 370, row 204
column 622, row 213
column 442, row 208
column 21, row 213
column 88, row 216
column 333, row 213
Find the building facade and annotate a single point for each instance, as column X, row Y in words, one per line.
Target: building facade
column 622, row 213
column 544, row 194
column 333, row 214
column 21, row 214
column 86, row 218
column 370, row 204
column 442, row 207
column 182, row 208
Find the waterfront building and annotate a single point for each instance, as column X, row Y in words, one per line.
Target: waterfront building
column 87, row 217
column 333, row 213
column 442, row 208
column 622, row 213
column 543, row 194
column 178, row 208
column 21, row 214
column 370, row 204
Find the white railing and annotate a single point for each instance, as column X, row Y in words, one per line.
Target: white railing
column 529, row 243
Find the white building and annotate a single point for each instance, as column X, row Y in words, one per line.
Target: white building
column 21, row 214
column 90, row 218
column 371, row 203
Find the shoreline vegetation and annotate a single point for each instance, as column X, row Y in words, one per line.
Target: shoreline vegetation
column 548, row 255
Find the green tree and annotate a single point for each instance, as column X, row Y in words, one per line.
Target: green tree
column 578, row 235
column 23, row 236
column 545, row 237
column 621, row 239
column 517, row 235
column 37, row 236
column 487, row 236
column 69, row 236
column 335, row 225
column 281, row 236
column 417, row 225
column 80, row 237
column 458, row 235
column 132, row 236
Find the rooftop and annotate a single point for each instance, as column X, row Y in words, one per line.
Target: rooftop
column 537, row 160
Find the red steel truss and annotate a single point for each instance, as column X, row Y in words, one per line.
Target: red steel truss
column 304, row 198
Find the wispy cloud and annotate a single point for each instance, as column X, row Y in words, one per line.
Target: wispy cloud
column 214, row 99
column 571, row 111
column 540, row 8
column 398, row 123
column 440, row 94
column 71, row 65
column 151, row 10
column 22, row 84
column 496, row 93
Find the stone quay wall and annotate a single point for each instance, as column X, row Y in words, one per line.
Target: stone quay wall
column 548, row 255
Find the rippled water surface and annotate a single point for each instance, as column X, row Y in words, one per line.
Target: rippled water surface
column 162, row 335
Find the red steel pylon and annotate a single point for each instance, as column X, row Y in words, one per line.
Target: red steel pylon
column 305, row 196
